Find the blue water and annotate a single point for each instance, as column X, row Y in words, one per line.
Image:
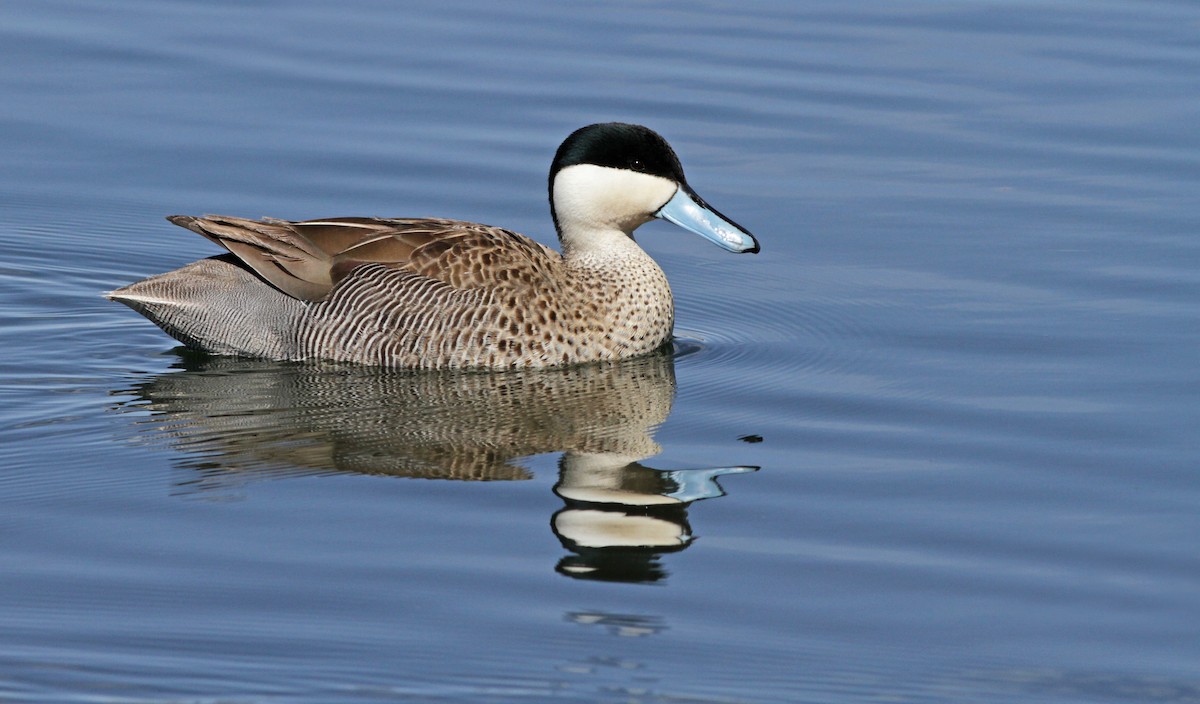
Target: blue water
column 936, row 443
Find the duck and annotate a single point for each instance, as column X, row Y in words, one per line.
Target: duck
column 431, row 293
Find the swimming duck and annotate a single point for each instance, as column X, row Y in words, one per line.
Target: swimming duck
column 433, row 293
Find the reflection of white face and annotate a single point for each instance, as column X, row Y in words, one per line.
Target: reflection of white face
column 590, row 528
column 593, row 203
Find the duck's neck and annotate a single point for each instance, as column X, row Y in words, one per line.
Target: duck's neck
column 623, row 288
column 600, row 248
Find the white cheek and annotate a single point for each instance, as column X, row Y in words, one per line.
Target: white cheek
column 597, row 197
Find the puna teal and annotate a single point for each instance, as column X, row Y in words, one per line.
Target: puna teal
column 432, row 293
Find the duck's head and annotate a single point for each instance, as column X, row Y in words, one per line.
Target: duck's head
column 610, row 178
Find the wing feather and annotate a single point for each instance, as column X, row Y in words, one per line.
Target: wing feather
column 306, row 259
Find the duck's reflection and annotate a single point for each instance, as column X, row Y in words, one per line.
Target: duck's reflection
column 236, row 420
column 620, row 516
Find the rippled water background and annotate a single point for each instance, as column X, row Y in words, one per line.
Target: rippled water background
column 969, row 348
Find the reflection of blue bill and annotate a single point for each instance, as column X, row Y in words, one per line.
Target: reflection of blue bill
column 696, row 484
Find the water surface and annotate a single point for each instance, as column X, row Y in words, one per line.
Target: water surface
column 936, row 443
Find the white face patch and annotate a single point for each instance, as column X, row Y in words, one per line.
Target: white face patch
column 590, row 200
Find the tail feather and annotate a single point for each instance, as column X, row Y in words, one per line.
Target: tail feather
column 218, row 306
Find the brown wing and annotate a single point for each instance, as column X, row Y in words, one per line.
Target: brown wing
column 305, row 259
column 478, row 256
